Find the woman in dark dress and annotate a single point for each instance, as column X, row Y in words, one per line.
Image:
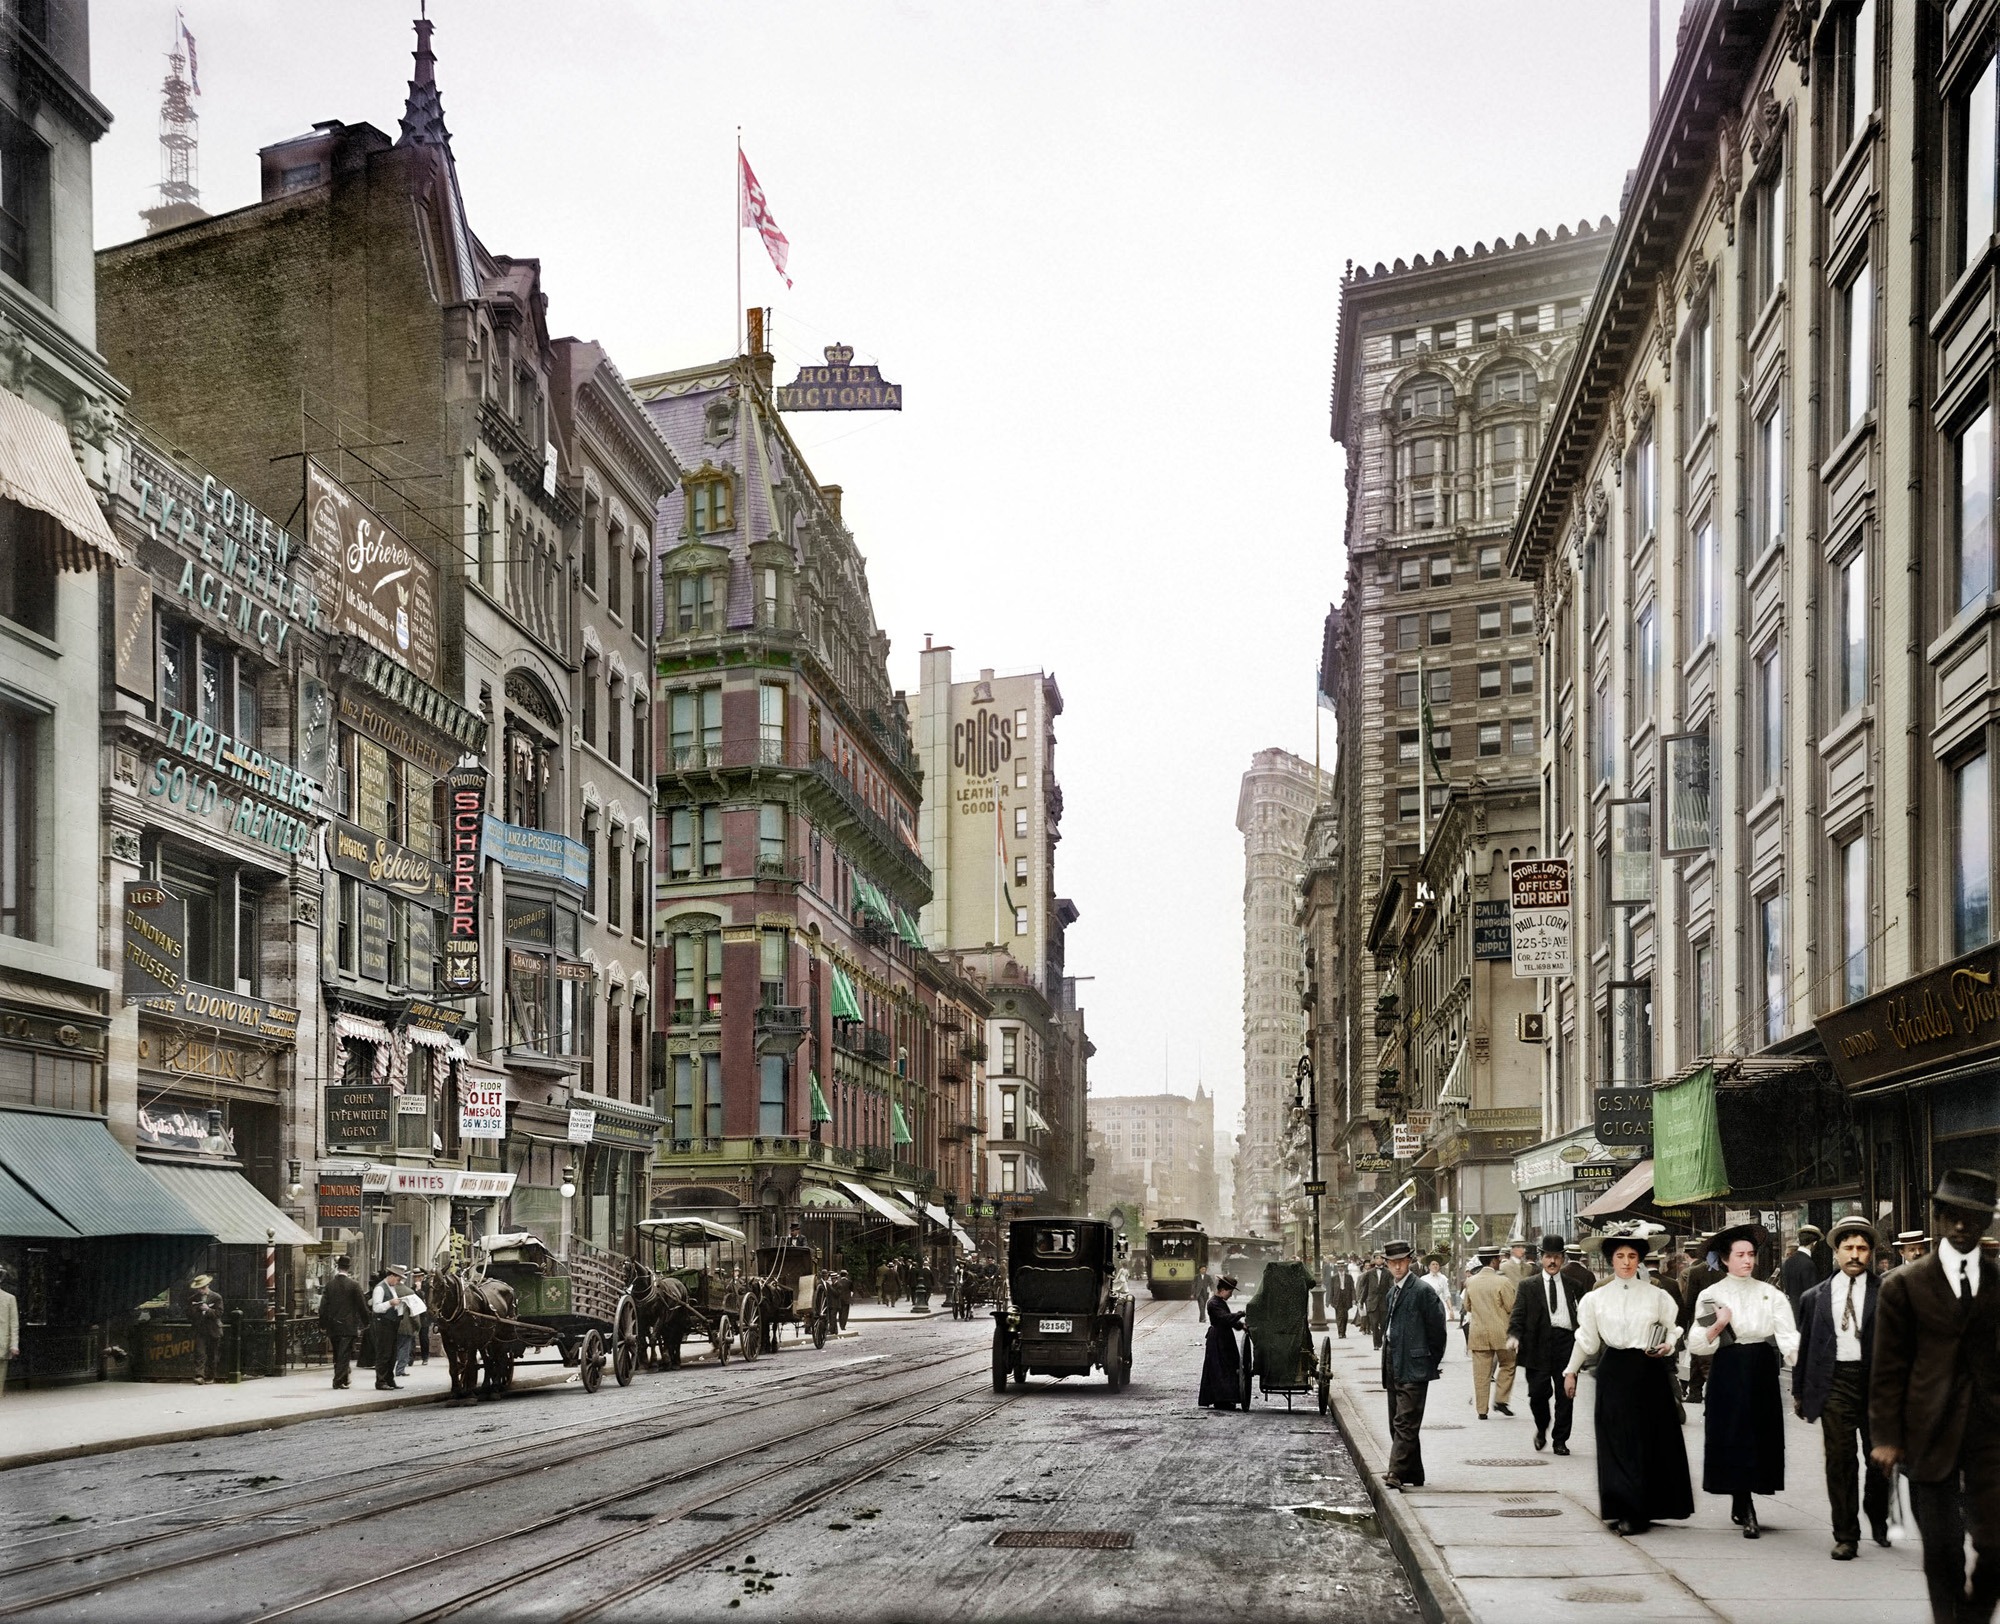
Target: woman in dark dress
column 1221, row 1369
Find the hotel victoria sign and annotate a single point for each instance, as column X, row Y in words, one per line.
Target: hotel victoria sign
column 840, row 386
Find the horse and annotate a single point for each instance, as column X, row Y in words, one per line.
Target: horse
column 467, row 1314
column 664, row 1314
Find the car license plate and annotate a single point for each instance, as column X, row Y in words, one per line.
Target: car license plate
column 1057, row 1327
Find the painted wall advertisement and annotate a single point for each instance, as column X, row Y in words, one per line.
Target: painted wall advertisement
column 155, row 941
column 1492, row 932
column 1544, row 918
column 388, row 590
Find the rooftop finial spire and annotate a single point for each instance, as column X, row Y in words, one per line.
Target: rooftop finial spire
column 423, row 109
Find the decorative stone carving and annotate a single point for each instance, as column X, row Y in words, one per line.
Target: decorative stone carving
column 1796, row 27
column 17, row 357
column 1765, row 128
column 1729, row 152
column 1663, row 323
column 1616, row 424
column 125, row 846
column 1693, row 275
column 1640, row 409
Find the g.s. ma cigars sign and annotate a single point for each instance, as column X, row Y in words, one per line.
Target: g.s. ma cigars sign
column 1943, row 1018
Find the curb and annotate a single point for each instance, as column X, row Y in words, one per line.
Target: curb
column 1437, row 1591
column 246, row 1426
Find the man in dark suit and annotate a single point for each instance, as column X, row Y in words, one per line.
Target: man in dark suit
column 343, row 1310
column 1412, row 1350
column 1542, row 1331
column 1340, row 1293
column 1375, row 1283
column 1801, row 1272
column 1830, row 1383
column 1700, row 1277
column 1576, row 1270
column 1934, row 1397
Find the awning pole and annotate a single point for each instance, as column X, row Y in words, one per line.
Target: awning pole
column 1407, row 1184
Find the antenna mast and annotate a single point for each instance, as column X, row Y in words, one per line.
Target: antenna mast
column 180, row 158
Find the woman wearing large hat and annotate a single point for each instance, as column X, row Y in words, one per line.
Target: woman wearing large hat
column 1632, row 1326
column 1747, row 1325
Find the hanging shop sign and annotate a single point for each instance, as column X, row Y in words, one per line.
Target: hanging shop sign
column 482, row 1186
column 388, row 590
column 1945, row 1017
column 1374, row 1164
column 134, row 667
column 582, row 1124
column 218, row 780
column 1687, row 771
column 378, row 861
column 340, row 1200
column 155, row 942
column 482, row 1110
column 434, row 1017
column 465, row 822
column 359, row 1116
column 541, row 852
column 437, row 1182
column 1543, row 917
column 235, row 1014
column 1407, row 1143
column 1623, row 1116
column 840, row 386
column 1632, row 851
column 614, row 1127
column 1492, row 932
column 315, row 734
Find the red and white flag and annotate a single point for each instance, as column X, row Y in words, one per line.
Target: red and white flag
column 757, row 212
column 194, row 63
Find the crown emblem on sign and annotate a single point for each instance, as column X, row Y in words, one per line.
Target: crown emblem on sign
column 838, row 355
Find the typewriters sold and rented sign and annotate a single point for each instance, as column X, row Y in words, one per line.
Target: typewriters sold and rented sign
column 1544, row 920
column 465, row 822
column 840, row 386
column 155, row 942
column 388, row 590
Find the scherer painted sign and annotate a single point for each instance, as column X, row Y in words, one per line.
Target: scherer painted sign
column 840, row 386
column 379, row 861
column 465, row 822
column 1944, row 1018
column 388, row 590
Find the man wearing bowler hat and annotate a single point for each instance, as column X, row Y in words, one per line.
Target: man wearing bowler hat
column 1542, row 1331
column 1934, row 1396
column 1412, row 1350
column 1830, row 1383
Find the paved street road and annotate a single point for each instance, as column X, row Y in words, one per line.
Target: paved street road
column 868, row 1480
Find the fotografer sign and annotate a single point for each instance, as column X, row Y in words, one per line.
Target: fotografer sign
column 464, row 827
column 1543, row 917
column 840, row 386
column 155, row 942
column 388, row 590
column 359, row 1116
column 1624, row 1116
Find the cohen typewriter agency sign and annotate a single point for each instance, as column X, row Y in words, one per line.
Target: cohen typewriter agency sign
column 1544, row 921
column 388, row 590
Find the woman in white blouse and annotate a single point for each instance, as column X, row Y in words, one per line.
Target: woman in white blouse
column 1747, row 1325
column 1631, row 1326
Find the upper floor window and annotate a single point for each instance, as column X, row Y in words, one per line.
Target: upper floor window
column 21, row 822
column 1764, row 227
column 1410, row 575
column 1856, row 302
column 1972, row 479
column 614, row 576
column 1971, row 853
column 710, row 504
column 1645, row 664
column 1441, row 569
column 1426, row 475
column 1852, row 631
column 1423, row 398
column 1645, row 486
column 1404, row 631
column 695, row 724
column 1702, row 583
column 1853, row 71
column 1768, row 503
column 1440, row 626
column 588, row 552
column 695, row 611
column 1510, row 384
column 1491, row 563
column 1698, row 366
column 771, row 720
column 24, row 205
column 1974, row 120
column 771, row 841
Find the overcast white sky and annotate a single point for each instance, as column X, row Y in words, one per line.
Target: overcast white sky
column 1099, row 243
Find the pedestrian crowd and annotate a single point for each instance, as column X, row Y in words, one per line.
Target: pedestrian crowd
column 391, row 1315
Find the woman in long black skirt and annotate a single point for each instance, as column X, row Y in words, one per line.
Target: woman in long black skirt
column 1747, row 1324
column 1222, row 1366
column 1632, row 1327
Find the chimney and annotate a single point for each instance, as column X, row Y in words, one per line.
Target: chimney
column 762, row 362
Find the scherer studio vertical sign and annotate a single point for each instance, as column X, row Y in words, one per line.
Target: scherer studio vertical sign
column 465, row 819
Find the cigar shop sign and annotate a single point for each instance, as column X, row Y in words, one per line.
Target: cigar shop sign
column 1932, row 1022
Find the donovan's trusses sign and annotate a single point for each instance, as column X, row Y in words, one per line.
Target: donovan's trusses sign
column 840, row 386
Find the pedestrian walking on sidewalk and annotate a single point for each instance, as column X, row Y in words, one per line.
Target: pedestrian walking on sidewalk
column 1934, row 1397
column 1222, row 1363
column 1745, row 1325
column 1830, row 1384
column 1912, row 1246
column 204, row 1309
column 1489, row 1305
column 1516, row 1266
column 1629, row 1327
column 1700, row 1276
column 1375, row 1284
column 10, row 1328
column 343, row 1310
column 385, row 1303
column 1541, row 1331
column 1800, row 1272
column 1439, row 1282
column 1341, row 1296
column 1412, row 1351
column 1578, row 1270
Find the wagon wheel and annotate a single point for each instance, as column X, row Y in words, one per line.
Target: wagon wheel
column 819, row 1328
column 590, row 1362
column 625, row 1342
column 749, row 1328
column 718, row 1339
column 1325, row 1375
column 1249, row 1369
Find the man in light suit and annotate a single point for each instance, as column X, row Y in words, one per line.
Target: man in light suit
column 1489, row 1303
column 1830, row 1383
column 10, row 1329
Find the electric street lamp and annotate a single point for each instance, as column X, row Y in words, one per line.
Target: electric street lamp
column 1306, row 1099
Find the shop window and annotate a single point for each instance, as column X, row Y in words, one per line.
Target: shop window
column 771, row 1095
column 48, row 1081
column 27, row 568
column 21, row 821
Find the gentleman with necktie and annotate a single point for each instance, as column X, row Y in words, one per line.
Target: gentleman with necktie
column 1934, row 1397
column 1542, row 1331
column 1830, row 1383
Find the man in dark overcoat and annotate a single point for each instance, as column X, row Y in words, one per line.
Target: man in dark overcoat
column 1375, row 1283
column 1934, row 1397
column 343, row 1311
column 1700, row 1277
column 1340, row 1293
column 1575, row 1267
column 1830, row 1383
column 1412, row 1350
column 1542, row 1331
column 1800, row 1272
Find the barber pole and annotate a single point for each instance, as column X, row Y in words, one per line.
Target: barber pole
column 270, row 1281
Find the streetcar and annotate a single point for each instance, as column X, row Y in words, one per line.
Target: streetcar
column 1243, row 1257
column 1176, row 1257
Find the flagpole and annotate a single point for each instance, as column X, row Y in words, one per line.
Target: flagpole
column 736, row 320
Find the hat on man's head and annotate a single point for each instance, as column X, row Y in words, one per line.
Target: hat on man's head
column 1966, row 1187
column 1398, row 1249
column 1552, row 1246
column 393, row 1268
column 1912, row 1237
column 1573, row 1249
column 202, row 1282
column 1854, row 1226
column 1810, row 1229
column 1488, row 1253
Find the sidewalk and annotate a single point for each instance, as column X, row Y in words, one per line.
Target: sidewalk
column 1500, row 1533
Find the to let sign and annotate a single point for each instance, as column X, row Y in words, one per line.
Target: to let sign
column 482, row 1111
column 1624, row 1116
column 1543, row 917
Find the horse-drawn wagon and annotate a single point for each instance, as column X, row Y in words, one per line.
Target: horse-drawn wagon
column 515, row 1297
column 720, row 1300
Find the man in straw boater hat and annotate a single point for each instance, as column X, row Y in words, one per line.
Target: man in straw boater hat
column 204, row 1310
column 1934, row 1396
column 1413, row 1342
column 1830, row 1383
column 1912, row 1245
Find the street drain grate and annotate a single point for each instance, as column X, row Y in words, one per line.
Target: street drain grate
column 1063, row 1539
column 1603, row 1593
column 1520, row 1499
column 1502, row 1460
column 1533, row 1511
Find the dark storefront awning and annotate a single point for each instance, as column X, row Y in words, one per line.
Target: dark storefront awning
column 79, row 1171
column 24, row 1217
column 1623, row 1196
column 232, row 1207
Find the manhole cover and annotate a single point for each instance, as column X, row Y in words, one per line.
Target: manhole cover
column 1530, row 1511
column 1064, row 1539
column 1501, row 1460
column 1603, row 1593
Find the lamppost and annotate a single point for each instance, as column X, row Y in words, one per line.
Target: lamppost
column 1306, row 1098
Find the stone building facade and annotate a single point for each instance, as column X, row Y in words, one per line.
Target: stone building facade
column 1156, row 1152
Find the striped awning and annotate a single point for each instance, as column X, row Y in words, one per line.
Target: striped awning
column 230, row 1205
column 846, row 1005
column 38, row 470
column 880, row 1205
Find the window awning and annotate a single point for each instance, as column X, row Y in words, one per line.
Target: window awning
column 38, row 470
column 821, row 1112
column 1624, row 1195
column 82, row 1175
column 1032, row 1177
column 906, row 927
column 880, row 1205
column 1035, row 1118
column 899, row 1126
column 846, row 1006
column 22, row 1217
column 965, row 1241
column 233, row 1208
column 872, row 901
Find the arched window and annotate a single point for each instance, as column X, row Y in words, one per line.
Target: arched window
column 1422, row 398
column 533, row 730
column 1512, row 383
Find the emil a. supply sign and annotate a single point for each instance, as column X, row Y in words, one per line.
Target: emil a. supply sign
column 1544, row 919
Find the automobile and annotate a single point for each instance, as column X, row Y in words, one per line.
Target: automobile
column 1067, row 1311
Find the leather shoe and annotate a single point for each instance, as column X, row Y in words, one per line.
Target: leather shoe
column 1391, row 1481
column 1626, row 1526
column 1750, row 1526
column 1846, row 1551
column 1881, row 1534
column 1484, row 1416
column 1504, row 1411
column 1541, row 1438
column 1562, row 1449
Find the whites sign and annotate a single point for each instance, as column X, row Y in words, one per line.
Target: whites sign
column 1544, row 920
column 482, row 1111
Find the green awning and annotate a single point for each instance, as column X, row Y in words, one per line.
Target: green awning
column 22, row 1217
column 906, row 927
column 233, row 1208
column 899, row 1129
column 80, row 1173
column 1687, row 1143
column 820, row 1113
column 846, row 1005
column 869, row 900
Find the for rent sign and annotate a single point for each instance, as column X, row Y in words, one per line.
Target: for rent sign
column 1543, row 917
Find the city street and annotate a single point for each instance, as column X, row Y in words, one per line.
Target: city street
column 869, row 1480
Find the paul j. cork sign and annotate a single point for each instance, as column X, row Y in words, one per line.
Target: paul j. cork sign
column 840, row 386
column 1941, row 1019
